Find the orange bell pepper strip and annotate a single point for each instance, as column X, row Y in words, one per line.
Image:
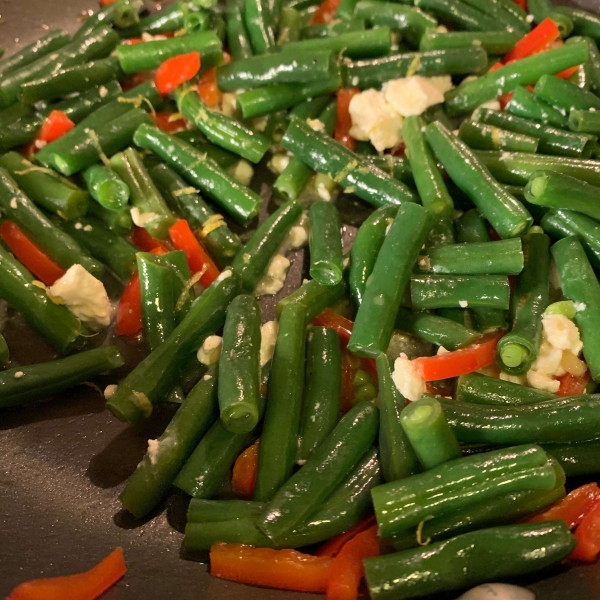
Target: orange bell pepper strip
column 347, row 568
column 244, row 472
column 175, row 71
column 572, row 508
column 208, row 89
column 460, row 362
column 39, row 263
column 573, row 386
column 81, row 586
column 55, row 125
column 588, row 536
column 536, row 41
column 281, row 569
column 333, row 546
column 104, row 3
column 325, row 13
column 145, row 242
column 329, row 318
column 198, row 260
column 344, row 120
column 169, row 122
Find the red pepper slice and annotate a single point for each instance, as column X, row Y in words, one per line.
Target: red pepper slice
column 588, row 536
column 168, row 122
column 129, row 311
column 329, row 318
column 522, row 4
column 208, row 88
column 325, row 12
column 177, row 70
column 39, row 263
column 244, row 472
column 573, row 386
column 333, row 546
column 104, row 3
column 145, row 242
column 536, row 41
column 282, row 569
column 198, row 260
column 344, row 120
column 460, row 362
column 81, row 586
column 347, row 568
column 55, row 126
column 573, row 507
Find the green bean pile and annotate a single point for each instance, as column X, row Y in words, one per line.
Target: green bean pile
column 437, row 369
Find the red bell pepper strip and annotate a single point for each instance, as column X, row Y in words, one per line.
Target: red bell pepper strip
column 536, row 41
column 198, row 260
column 281, row 569
column 177, row 70
column 522, row 4
column 344, row 120
column 81, row 586
column 55, row 126
column 347, row 391
column 325, row 12
column 573, row 386
column 460, row 362
column 588, row 536
column 39, row 263
column 347, row 568
column 573, row 507
column 333, row 546
column 244, row 472
column 169, row 122
column 208, row 88
column 145, row 242
column 104, row 3
column 329, row 318
column 567, row 72
column 129, row 311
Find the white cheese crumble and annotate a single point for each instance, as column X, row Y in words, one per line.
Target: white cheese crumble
column 297, row 236
column 323, row 192
column 412, row 95
column 210, row 351
column 224, row 275
column 13, row 203
column 407, row 379
column 279, row 162
column 153, row 448
column 463, row 303
column 142, row 219
column 316, row 125
column 497, row 591
column 243, row 171
column 491, row 104
column 442, row 82
column 84, row 296
column 268, row 337
column 273, row 280
column 109, row 391
column 19, row 374
column 229, row 104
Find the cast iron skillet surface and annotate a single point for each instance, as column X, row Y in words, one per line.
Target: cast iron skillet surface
column 64, row 462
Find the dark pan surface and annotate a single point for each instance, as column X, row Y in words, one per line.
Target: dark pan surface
column 64, row 462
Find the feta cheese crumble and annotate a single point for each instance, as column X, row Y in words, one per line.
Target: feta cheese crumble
column 84, row 296
column 407, row 379
column 268, row 337
column 210, row 351
column 273, row 280
column 141, row 219
column 412, row 95
column 109, row 391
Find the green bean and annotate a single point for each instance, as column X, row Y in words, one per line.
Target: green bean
column 325, row 241
column 311, row 108
column 334, row 28
column 314, row 297
column 54, row 321
column 325, row 155
column 242, row 203
column 106, row 187
column 127, row 13
column 50, row 239
column 486, row 137
column 222, row 130
column 145, row 197
column 321, row 407
column 21, row 385
column 592, row 65
column 429, row 434
column 104, row 244
column 46, row 188
column 461, row 15
column 471, row 228
column 584, row 121
column 579, row 284
column 118, row 221
column 517, row 168
column 584, row 22
column 564, row 95
column 576, row 459
column 237, row 34
column 410, row 22
column 505, row 79
column 524, row 104
column 135, row 57
column 453, row 291
column 156, row 375
column 102, row 18
column 435, row 329
column 272, row 98
column 212, row 511
column 506, row 214
column 429, row 180
column 220, row 242
column 479, row 389
column 493, row 42
column 374, row 72
column 468, row 559
column 278, row 444
column 78, row 78
column 50, row 42
column 398, row 458
column 260, row 23
column 170, row 19
column 374, row 322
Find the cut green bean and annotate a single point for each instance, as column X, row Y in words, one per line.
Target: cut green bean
column 260, row 23
column 334, row 28
column 119, row 221
column 374, row 322
column 461, row 15
column 314, row 297
column 564, row 95
column 585, row 121
column 584, row 23
column 237, row 33
column 493, row 42
column 486, row 137
column 576, row 459
column 543, row 9
column 525, row 105
column 106, row 187
column 325, row 241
